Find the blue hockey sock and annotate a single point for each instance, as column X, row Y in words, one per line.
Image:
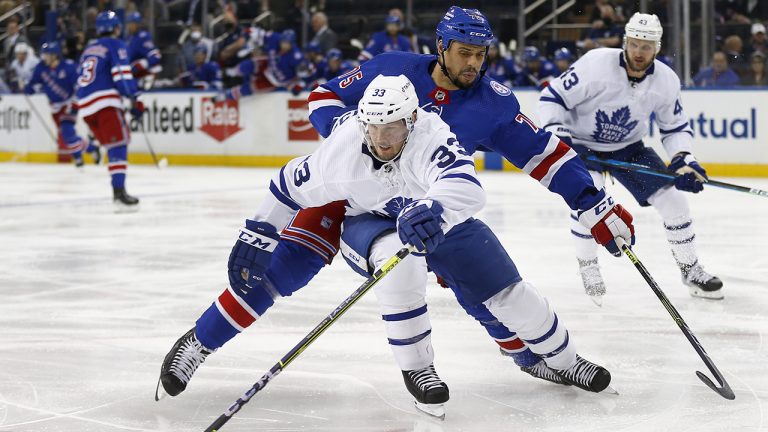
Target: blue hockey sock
column 118, row 163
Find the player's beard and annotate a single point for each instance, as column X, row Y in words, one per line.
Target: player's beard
column 635, row 68
column 461, row 83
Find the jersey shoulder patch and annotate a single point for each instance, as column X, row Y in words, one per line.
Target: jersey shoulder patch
column 500, row 89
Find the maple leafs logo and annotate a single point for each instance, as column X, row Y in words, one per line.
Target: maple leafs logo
column 613, row 129
column 393, row 207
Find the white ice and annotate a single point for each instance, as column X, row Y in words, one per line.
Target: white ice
column 91, row 301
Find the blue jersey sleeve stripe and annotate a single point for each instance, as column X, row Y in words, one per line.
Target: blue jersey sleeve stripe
column 283, row 186
column 677, row 129
column 556, row 98
column 462, row 176
column 282, row 198
column 459, row 163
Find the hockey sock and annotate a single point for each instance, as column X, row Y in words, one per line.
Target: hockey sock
column 118, row 163
column 586, row 246
column 673, row 208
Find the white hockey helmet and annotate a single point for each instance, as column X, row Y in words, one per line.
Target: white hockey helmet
column 644, row 27
column 387, row 99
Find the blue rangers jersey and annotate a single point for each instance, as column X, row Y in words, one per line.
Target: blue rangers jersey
column 282, row 69
column 503, row 70
column 104, row 75
column 381, row 42
column 206, row 76
column 58, row 84
column 484, row 117
column 143, row 54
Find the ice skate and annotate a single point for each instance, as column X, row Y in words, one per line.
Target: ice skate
column 539, row 370
column 700, row 283
column 180, row 364
column 428, row 389
column 593, row 280
column 123, row 202
column 587, row 376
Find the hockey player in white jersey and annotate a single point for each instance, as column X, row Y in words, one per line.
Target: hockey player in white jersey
column 601, row 106
column 406, row 180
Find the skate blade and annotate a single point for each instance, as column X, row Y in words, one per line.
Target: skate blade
column 597, row 299
column 122, row 208
column 160, row 391
column 709, row 295
column 433, row 410
column 610, row 390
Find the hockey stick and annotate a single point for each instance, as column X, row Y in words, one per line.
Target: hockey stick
column 309, row 338
column 659, row 173
column 42, row 121
column 160, row 164
column 724, row 390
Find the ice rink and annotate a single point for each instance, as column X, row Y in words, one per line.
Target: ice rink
column 91, row 301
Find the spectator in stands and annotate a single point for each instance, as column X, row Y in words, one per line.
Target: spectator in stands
column 500, row 68
column 604, row 31
column 388, row 40
column 756, row 75
column 12, row 36
column 759, row 41
column 202, row 74
column 22, row 66
column 537, row 70
column 191, row 43
column 324, row 37
column 337, row 65
column 734, row 51
column 717, row 75
column 732, row 11
column 284, row 61
column 563, row 59
column 232, row 43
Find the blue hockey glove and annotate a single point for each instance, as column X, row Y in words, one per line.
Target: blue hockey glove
column 137, row 108
column 418, row 224
column 251, row 255
column 690, row 175
column 608, row 221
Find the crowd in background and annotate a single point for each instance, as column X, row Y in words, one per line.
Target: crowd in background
column 250, row 55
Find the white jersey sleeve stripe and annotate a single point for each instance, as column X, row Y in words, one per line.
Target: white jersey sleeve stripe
column 539, row 158
column 547, row 179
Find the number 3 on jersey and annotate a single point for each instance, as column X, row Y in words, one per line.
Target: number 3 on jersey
column 88, row 72
column 569, row 78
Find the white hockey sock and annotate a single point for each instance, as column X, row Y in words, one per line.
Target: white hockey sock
column 673, row 208
column 523, row 310
column 586, row 246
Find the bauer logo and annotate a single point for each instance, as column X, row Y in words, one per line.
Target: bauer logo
column 299, row 127
column 219, row 120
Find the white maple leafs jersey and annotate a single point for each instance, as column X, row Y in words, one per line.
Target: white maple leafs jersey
column 432, row 165
column 605, row 111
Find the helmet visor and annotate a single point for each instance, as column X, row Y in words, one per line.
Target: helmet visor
column 386, row 140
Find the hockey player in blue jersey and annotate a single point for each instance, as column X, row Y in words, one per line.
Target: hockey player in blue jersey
column 202, row 75
column 336, row 64
column 104, row 78
column 500, row 68
column 144, row 56
column 484, row 115
column 563, row 59
column 537, row 71
column 57, row 77
column 385, row 41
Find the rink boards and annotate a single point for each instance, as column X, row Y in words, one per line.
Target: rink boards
column 269, row 129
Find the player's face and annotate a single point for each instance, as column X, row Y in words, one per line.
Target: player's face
column 640, row 54
column 463, row 63
column 199, row 58
column 50, row 59
column 388, row 139
column 131, row 27
column 563, row 65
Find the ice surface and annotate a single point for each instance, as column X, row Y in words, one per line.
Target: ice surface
column 90, row 302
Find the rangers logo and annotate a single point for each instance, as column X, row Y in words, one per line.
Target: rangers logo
column 500, row 89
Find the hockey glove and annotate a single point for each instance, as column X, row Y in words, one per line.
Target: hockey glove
column 137, row 108
column 251, row 255
column 561, row 131
column 608, row 221
column 690, row 175
column 418, row 224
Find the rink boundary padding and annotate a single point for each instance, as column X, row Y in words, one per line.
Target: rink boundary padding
column 189, row 128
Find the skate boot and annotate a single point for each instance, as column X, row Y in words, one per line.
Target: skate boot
column 539, row 370
column 124, row 203
column 700, row 283
column 593, row 280
column 586, row 375
column 180, row 364
column 428, row 389
column 79, row 164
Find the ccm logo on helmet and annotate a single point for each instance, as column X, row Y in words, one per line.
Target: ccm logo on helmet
column 476, row 34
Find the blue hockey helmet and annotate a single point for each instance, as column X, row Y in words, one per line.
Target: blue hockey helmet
column 51, row 48
column 334, row 54
column 392, row 19
column 313, row 47
column 288, row 36
column 468, row 26
column 531, row 53
column 133, row 17
column 106, row 22
column 563, row 54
